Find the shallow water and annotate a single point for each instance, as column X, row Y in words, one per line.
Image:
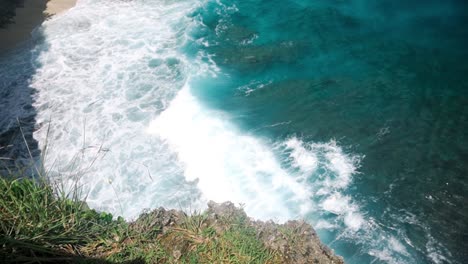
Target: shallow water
column 351, row 115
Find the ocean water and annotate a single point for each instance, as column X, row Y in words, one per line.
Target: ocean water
column 349, row 114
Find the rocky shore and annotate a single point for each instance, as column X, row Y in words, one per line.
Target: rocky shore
column 39, row 226
column 294, row 242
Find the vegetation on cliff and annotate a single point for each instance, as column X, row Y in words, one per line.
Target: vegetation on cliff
column 40, row 225
column 7, row 11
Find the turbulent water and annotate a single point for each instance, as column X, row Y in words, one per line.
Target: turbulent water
column 349, row 114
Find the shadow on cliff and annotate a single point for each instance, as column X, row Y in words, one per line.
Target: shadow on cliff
column 8, row 11
column 18, row 148
column 62, row 259
column 54, row 257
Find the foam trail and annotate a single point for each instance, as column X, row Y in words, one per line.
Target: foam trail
column 227, row 164
column 328, row 172
column 326, row 187
column 305, row 160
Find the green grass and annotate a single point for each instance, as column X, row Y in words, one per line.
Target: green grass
column 35, row 222
column 40, row 225
column 233, row 242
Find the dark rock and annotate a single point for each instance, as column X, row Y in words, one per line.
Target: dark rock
column 158, row 221
column 297, row 241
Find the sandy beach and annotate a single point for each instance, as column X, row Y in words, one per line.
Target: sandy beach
column 28, row 17
column 55, row 7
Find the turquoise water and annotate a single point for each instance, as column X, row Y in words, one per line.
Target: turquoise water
column 349, row 114
column 387, row 79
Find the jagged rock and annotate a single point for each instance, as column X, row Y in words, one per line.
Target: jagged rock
column 158, row 221
column 295, row 241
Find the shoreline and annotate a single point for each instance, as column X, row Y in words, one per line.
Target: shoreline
column 222, row 233
column 29, row 16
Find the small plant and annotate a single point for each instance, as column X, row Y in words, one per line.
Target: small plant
column 230, row 240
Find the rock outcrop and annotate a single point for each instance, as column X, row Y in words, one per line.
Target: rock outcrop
column 295, row 242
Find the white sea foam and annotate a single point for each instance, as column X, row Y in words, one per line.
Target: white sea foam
column 397, row 246
column 227, row 164
column 111, row 67
column 391, row 252
column 388, row 249
column 384, row 255
column 436, row 251
column 327, row 187
column 328, row 177
column 303, row 159
column 322, row 224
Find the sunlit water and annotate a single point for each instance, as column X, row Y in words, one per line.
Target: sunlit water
column 352, row 115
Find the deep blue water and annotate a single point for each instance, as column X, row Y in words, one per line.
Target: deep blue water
column 387, row 79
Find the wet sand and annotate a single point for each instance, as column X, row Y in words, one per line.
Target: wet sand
column 27, row 18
